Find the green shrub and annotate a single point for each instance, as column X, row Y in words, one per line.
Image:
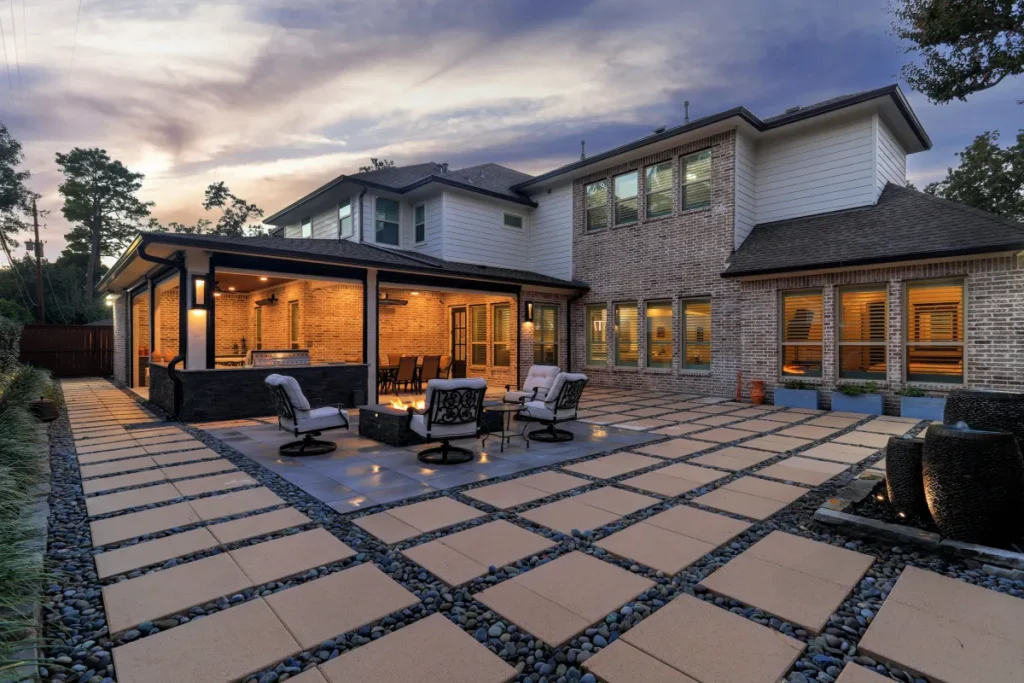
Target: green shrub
column 858, row 389
column 10, row 344
column 912, row 392
column 795, row 384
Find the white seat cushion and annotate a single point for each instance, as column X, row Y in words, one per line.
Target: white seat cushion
column 291, row 388
column 516, row 396
column 538, row 410
column 317, row 419
column 419, row 425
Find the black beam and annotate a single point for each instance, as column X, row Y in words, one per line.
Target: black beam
column 223, row 261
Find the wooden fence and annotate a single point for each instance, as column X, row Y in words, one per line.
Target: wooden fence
column 69, row 350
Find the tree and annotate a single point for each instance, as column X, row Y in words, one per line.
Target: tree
column 235, row 211
column 377, row 165
column 989, row 177
column 99, row 195
column 966, row 45
column 200, row 228
column 13, row 192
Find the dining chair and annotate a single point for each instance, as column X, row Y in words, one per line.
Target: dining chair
column 431, row 369
column 394, row 358
column 446, row 367
column 406, row 375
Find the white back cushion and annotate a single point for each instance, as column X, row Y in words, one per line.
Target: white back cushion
column 542, row 376
column 560, row 380
column 291, row 388
column 470, row 383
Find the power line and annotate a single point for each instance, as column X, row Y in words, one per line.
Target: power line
column 17, row 60
column 24, row 32
column 3, row 46
column 71, row 64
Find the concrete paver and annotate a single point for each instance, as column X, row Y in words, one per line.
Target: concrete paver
column 862, row 438
column 121, row 481
column 806, row 431
column 289, row 555
column 754, row 507
column 734, row 458
column 623, row 663
column 134, row 524
column 613, row 465
column 839, row 452
column 854, row 673
column 257, row 525
column 803, row 470
column 124, row 500
column 700, row 524
column 723, row 435
column 164, row 459
column 198, row 468
column 116, row 467
column 618, row 501
column 509, row 494
column 567, row 514
column 655, row 547
column 153, row 552
column 225, row 482
column 674, row 448
column 777, row 444
column 886, row 427
column 228, row 504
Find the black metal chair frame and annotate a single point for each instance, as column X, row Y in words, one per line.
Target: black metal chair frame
column 450, row 407
column 567, row 401
column 308, row 444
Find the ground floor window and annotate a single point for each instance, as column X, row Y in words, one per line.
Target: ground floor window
column 501, row 324
column 659, row 334
column 627, row 336
column 597, row 340
column 293, row 323
column 259, row 328
column 935, row 331
column 801, row 333
column 478, row 335
column 696, row 326
column 545, row 340
column 862, row 332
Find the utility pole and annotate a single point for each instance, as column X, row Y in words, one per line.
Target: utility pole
column 41, row 311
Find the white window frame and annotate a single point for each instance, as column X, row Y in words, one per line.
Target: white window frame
column 506, row 226
column 351, row 220
column 416, row 224
column 308, row 220
column 607, row 206
column 616, row 201
column 374, row 221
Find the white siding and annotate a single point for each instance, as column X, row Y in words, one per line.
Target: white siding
column 816, row 171
column 550, row 243
column 891, row 159
column 434, row 244
column 746, row 200
column 293, row 231
column 474, row 232
column 325, row 225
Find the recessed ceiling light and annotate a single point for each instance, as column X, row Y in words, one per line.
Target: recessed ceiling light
column 263, row 279
column 415, row 293
column 231, row 289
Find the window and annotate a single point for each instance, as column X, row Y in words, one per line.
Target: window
column 597, row 334
column 259, row 328
column 345, row 218
column 293, row 324
column 696, row 184
column 659, row 334
column 862, row 323
column 626, row 210
column 627, row 336
column 510, row 220
column 387, row 221
column 597, row 205
column 801, row 333
column 478, row 335
column 696, row 334
column 545, row 339
column 501, row 326
column 307, row 228
column 420, row 223
column 658, row 188
column 935, row 332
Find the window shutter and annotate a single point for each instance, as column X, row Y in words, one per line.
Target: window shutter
column 627, row 333
column 478, row 334
column 801, row 314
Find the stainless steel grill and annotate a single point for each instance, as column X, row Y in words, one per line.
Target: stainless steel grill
column 267, row 358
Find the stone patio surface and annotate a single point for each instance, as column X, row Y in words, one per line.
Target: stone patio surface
column 613, row 465
column 751, row 497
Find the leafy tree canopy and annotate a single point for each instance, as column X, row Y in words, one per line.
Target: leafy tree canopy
column 234, row 218
column 13, row 192
column 377, row 165
column 965, row 45
column 989, row 177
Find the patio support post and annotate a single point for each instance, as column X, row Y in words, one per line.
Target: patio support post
column 370, row 334
column 196, row 263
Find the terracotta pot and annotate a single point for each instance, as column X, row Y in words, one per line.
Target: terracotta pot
column 757, row 391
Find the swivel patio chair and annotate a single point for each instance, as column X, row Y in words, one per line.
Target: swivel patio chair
column 538, row 381
column 295, row 415
column 559, row 405
column 453, row 410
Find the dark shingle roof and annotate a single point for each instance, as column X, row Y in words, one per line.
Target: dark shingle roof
column 904, row 225
column 397, row 177
column 346, row 252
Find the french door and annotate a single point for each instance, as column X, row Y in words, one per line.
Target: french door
column 459, row 342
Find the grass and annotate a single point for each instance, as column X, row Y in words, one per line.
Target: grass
column 23, row 459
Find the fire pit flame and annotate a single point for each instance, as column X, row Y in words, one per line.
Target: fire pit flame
column 399, row 404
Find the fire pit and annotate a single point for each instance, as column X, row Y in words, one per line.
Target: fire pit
column 389, row 423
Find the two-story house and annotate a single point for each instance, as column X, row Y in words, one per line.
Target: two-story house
column 786, row 248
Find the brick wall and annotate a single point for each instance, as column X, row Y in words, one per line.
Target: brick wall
column 994, row 324
column 167, row 321
column 671, row 258
column 120, row 314
column 526, row 347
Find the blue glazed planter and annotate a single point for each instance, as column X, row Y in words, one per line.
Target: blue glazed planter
column 796, row 398
column 922, row 407
column 870, row 404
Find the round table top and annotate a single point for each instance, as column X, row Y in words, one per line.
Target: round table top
column 502, row 408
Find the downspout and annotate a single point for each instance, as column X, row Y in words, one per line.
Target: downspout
column 177, row 262
column 361, row 214
column 568, row 329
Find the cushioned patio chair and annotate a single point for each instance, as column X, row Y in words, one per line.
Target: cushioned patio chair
column 295, row 415
column 538, row 381
column 560, row 405
column 453, row 410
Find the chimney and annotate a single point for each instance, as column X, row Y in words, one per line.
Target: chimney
column 444, row 168
column 686, row 110
column 583, row 150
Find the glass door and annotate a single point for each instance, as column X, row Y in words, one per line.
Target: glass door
column 459, row 342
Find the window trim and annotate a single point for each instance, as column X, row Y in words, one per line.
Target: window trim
column 648, row 337
column 398, row 224
column 683, row 184
column 537, row 344
column 494, row 336
column 840, row 344
column 415, row 224
column 907, row 284
column 351, row 220
column 683, row 365
column 308, row 220
column 615, row 310
column 781, row 332
column 472, row 329
column 589, row 338
column 615, row 200
column 670, row 191
column 522, row 221
column 607, row 212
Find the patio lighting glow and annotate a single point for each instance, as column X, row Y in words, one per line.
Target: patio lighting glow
column 231, row 289
column 263, row 278
column 199, row 293
column 399, row 404
column 528, row 318
column 794, row 369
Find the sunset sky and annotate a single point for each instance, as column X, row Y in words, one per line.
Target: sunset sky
column 276, row 97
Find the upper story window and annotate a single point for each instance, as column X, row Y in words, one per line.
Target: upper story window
column 597, row 205
column 935, row 331
column 511, row 220
column 801, row 333
column 386, row 221
column 626, row 209
column 345, row 227
column 696, row 181
column 862, row 323
column 658, row 188
column 420, row 223
column 307, row 227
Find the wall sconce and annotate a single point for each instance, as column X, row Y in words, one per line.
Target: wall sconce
column 529, row 312
column 199, row 300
